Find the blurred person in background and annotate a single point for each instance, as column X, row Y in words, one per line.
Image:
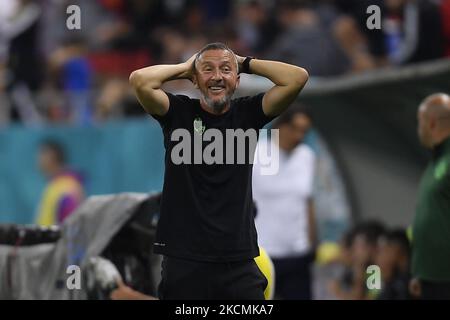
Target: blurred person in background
column 305, row 40
column 116, row 100
column 286, row 220
column 431, row 227
column 317, row 36
column 73, row 74
column 7, row 8
column 64, row 191
column 343, row 281
column 21, row 64
column 393, row 257
column 125, row 292
column 256, row 26
column 445, row 13
column 413, row 31
column 363, row 243
column 369, row 40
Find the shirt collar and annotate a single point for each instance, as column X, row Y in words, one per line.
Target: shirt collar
column 441, row 148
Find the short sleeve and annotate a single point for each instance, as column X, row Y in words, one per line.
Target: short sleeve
column 307, row 158
column 175, row 102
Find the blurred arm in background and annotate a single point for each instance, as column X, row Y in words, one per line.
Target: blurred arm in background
column 124, row 292
column 312, row 226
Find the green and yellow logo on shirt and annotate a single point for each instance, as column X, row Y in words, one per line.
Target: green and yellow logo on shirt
column 198, row 125
column 441, row 169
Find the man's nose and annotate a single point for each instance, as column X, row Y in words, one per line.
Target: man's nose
column 217, row 75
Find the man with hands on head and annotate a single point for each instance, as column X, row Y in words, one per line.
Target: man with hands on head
column 206, row 232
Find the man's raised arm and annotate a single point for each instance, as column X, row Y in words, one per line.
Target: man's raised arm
column 147, row 84
column 289, row 80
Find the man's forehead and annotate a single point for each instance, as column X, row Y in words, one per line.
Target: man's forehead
column 436, row 103
column 216, row 55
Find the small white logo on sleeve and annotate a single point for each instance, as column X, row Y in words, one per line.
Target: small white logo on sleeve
column 159, row 244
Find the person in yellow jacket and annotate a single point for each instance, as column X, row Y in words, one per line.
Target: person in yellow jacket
column 64, row 191
column 265, row 264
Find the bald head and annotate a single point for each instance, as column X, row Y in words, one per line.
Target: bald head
column 434, row 119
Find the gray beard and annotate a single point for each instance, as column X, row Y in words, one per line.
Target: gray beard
column 217, row 105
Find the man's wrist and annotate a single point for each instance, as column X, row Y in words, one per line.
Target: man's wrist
column 246, row 65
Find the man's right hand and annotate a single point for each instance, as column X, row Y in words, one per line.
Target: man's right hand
column 190, row 68
column 147, row 84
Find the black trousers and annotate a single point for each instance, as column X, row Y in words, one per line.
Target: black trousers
column 293, row 277
column 194, row 280
column 435, row 290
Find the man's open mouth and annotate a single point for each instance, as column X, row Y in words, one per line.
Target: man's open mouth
column 216, row 89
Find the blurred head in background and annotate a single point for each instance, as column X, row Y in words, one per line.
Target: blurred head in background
column 293, row 125
column 434, row 120
column 393, row 254
column 345, row 252
column 365, row 239
column 395, row 6
column 51, row 158
column 64, row 191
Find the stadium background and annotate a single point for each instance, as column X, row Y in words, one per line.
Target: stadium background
column 363, row 94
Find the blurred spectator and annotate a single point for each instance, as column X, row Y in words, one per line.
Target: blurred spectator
column 124, row 292
column 75, row 76
column 393, row 258
column 256, row 26
column 285, row 208
column 64, row 191
column 305, row 41
column 328, row 37
column 173, row 44
column 445, row 12
column 431, row 228
column 116, row 100
column 374, row 39
column 344, row 283
column 140, row 17
column 360, row 248
column 412, row 31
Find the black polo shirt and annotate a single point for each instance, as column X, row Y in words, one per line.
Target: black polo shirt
column 207, row 208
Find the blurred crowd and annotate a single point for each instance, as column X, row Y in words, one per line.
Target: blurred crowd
column 49, row 73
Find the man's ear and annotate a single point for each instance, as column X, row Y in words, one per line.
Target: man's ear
column 432, row 123
column 238, row 80
column 194, row 81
